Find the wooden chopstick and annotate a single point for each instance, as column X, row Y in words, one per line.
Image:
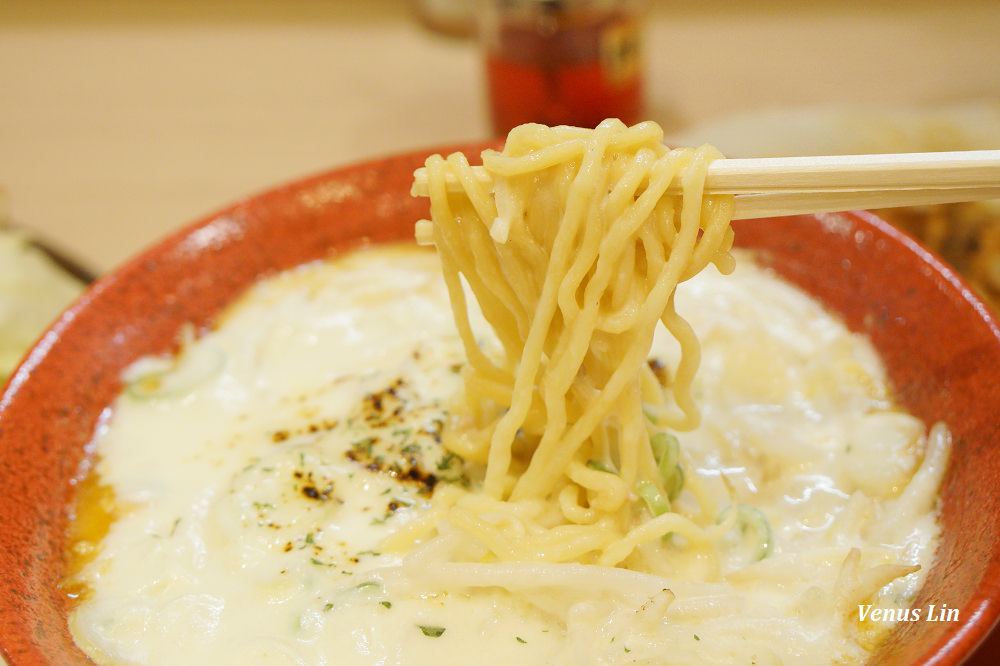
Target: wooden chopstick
column 753, row 206
column 855, row 173
column 775, row 186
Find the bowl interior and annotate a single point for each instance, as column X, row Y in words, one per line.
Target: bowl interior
column 940, row 345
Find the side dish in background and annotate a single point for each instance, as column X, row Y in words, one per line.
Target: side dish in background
column 34, row 289
column 967, row 235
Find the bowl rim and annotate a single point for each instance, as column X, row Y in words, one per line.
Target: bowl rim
column 16, row 639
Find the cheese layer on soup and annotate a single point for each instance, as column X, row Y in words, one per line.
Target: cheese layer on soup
column 256, row 476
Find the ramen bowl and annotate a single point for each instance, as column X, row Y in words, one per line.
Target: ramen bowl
column 940, row 344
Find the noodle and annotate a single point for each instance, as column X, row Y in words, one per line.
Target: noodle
column 573, row 260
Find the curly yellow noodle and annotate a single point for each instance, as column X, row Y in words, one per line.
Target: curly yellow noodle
column 573, row 259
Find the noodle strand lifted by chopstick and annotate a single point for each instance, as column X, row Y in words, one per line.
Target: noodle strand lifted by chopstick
column 573, row 260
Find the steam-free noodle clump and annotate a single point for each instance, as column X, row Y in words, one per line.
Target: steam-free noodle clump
column 573, row 259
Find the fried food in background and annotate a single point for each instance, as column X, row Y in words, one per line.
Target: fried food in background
column 967, row 235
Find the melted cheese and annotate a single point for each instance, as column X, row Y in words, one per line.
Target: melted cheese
column 256, row 476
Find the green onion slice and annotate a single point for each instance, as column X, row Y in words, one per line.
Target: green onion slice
column 675, row 483
column 667, row 452
column 654, row 499
column 600, row 466
column 754, row 531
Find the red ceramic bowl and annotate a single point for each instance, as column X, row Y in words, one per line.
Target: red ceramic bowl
column 941, row 346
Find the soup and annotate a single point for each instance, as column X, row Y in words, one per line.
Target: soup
column 257, row 475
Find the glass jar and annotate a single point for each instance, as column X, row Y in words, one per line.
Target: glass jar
column 563, row 62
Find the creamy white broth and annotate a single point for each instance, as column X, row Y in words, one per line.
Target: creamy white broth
column 256, row 481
